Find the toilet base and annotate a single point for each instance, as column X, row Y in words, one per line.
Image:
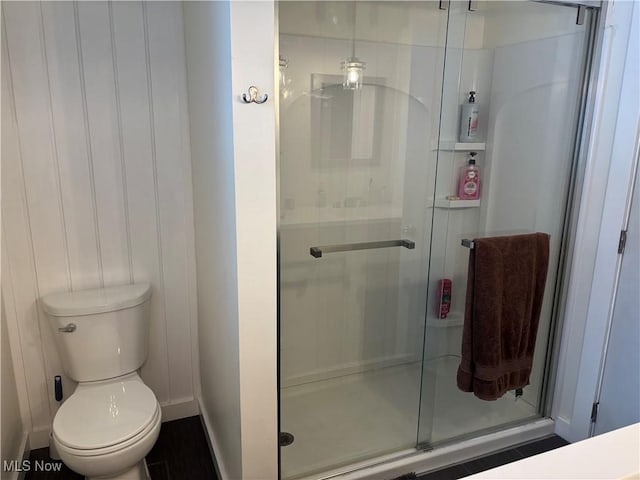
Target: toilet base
column 139, row 472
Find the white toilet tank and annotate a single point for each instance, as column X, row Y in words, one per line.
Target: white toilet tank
column 100, row 333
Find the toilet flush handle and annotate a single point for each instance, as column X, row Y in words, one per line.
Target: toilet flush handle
column 71, row 327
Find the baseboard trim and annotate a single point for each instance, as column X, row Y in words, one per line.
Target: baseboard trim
column 221, row 471
column 182, row 408
column 23, row 454
column 39, row 438
column 563, row 429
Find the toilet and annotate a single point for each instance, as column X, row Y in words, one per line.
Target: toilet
column 107, row 426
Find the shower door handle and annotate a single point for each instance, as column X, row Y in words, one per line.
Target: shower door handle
column 348, row 247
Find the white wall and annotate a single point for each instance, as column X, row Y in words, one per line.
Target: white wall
column 210, row 108
column 230, row 46
column 619, row 399
column 13, row 435
column 97, row 181
column 252, row 61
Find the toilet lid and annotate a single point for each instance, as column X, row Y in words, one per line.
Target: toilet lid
column 105, row 414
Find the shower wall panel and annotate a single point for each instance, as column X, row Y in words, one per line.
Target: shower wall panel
column 364, row 300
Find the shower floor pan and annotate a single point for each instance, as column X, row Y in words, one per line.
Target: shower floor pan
column 373, row 416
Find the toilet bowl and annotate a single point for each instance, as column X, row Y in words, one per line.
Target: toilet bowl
column 105, row 428
column 112, row 420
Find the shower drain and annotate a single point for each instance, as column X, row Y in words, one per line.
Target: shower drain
column 286, row 439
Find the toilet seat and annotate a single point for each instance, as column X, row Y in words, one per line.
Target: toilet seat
column 107, row 416
column 85, row 452
column 124, row 461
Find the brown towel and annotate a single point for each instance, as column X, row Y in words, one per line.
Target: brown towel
column 505, row 286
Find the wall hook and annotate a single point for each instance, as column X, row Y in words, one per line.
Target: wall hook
column 253, row 96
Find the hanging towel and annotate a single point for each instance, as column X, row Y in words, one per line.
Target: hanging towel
column 505, row 286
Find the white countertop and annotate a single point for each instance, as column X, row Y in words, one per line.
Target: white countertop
column 613, row 455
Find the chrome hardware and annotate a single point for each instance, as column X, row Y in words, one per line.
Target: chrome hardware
column 71, row 327
column 468, row 243
column 424, row 446
column 444, row 5
column 582, row 10
column 472, row 6
column 348, row 247
column 253, row 96
column 286, row 439
column 622, row 243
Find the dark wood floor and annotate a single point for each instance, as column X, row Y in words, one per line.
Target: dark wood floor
column 182, row 453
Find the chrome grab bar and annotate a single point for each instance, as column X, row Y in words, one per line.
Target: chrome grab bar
column 348, row 247
column 71, row 327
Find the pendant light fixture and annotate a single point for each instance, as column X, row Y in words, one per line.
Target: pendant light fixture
column 353, row 67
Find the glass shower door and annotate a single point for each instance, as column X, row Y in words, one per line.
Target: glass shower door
column 526, row 61
column 359, row 106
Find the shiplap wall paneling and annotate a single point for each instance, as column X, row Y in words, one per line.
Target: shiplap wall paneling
column 106, row 156
column 18, row 304
column 98, row 179
column 131, row 52
column 73, row 149
column 169, row 98
column 44, row 233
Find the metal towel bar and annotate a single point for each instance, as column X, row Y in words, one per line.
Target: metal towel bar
column 347, row 247
column 466, row 242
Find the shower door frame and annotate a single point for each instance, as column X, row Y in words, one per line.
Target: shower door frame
column 581, row 142
column 528, row 429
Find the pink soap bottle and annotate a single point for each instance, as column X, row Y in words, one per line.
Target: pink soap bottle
column 469, row 185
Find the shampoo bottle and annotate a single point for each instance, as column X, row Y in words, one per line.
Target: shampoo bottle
column 444, row 298
column 469, row 119
column 469, row 184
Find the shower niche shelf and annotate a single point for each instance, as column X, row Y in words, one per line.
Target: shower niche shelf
column 312, row 216
column 453, row 320
column 455, row 204
column 452, row 146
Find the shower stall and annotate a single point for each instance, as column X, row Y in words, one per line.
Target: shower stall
column 371, row 223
